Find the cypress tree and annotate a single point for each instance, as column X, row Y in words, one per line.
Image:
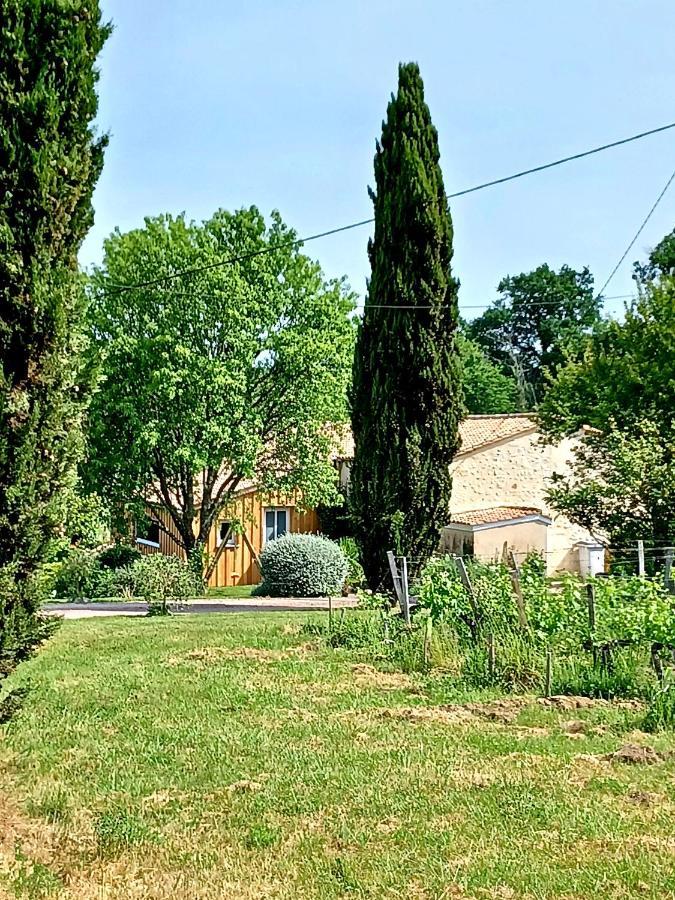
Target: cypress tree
column 50, row 160
column 406, row 397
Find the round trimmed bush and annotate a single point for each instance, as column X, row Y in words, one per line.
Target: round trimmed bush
column 302, row 565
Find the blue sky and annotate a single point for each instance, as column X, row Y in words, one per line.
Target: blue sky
column 214, row 103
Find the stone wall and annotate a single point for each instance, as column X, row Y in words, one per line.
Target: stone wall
column 517, row 472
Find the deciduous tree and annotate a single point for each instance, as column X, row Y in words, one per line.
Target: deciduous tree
column 230, row 374
column 624, row 387
column 540, row 317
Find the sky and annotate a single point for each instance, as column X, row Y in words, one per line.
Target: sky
column 216, row 103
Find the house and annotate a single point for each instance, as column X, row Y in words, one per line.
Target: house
column 500, row 478
column 261, row 517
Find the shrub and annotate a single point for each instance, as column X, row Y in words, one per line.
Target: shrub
column 76, row 576
column 116, row 582
column 302, row 565
column 160, row 579
column 356, row 578
column 119, row 555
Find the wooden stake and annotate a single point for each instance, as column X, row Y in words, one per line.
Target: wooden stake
column 518, row 591
column 641, row 558
column 428, row 630
column 549, row 673
column 466, row 581
column 395, row 577
column 668, row 570
column 404, row 590
column 590, row 597
column 330, row 614
column 491, row 655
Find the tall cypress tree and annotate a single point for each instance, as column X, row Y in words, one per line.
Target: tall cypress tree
column 406, row 397
column 50, row 161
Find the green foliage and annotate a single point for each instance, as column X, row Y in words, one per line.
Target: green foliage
column 355, row 575
column 623, row 481
column 661, row 261
column 660, row 714
column 199, row 384
column 77, row 576
column 627, row 372
column 540, row 318
column 627, row 676
column 161, row 579
column 487, row 389
column 118, row 555
column 441, row 591
column 302, row 565
column 406, row 399
column 117, row 829
column 336, row 521
column 49, row 164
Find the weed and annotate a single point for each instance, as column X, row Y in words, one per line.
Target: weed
column 117, row 829
column 661, row 708
column 261, row 836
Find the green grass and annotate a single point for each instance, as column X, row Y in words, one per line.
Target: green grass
column 236, row 592
column 224, row 757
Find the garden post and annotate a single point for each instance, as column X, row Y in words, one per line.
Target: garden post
column 641, row 558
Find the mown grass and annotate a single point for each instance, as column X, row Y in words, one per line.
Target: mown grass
column 225, row 757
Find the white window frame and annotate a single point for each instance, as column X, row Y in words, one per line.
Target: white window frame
column 144, row 542
column 276, row 510
column 232, row 539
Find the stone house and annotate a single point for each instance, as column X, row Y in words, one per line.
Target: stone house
column 500, row 478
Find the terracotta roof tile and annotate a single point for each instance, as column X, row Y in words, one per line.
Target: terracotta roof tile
column 475, row 431
column 480, row 431
column 493, row 515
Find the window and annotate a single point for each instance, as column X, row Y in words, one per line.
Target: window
column 147, row 533
column 223, row 528
column 276, row 523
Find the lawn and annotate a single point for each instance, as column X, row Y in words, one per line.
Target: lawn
column 226, row 756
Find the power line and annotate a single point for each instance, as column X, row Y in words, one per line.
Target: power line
column 638, row 232
column 533, row 303
column 314, row 237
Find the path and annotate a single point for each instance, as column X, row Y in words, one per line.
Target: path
column 199, row 607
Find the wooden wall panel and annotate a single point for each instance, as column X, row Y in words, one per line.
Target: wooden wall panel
column 237, row 565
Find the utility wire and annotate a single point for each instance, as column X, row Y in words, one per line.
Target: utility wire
column 314, row 237
column 638, row 233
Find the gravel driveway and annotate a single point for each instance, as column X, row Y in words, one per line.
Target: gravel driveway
column 199, row 607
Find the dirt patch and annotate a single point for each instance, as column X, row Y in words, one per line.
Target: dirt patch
column 645, row 798
column 505, row 710
column 210, row 655
column 446, row 715
column 369, row 676
column 570, row 702
column 502, row 712
column 635, row 755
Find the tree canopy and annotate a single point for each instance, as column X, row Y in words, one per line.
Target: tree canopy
column 486, row 388
column 539, row 318
column 624, row 388
column 50, row 160
column 227, row 375
column 406, row 398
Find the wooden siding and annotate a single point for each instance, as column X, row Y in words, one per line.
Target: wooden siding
column 237, row 565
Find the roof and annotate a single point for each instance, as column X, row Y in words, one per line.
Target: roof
column 480, row 431
column 475, row 432
column 495, row 515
